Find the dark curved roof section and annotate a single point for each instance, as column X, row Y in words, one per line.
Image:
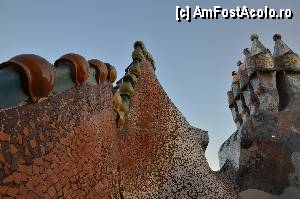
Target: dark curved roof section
column 101, row 70
column 80, row 67
column 26, row 78
column 37, row 74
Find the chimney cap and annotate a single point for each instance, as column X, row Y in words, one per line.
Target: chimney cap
column 276, row 37
column 246, row 51
column 254, row 37
column 239, row 63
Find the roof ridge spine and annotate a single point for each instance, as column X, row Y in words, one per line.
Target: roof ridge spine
column 124, row 90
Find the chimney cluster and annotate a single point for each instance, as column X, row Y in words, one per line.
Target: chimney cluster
column 264, row 82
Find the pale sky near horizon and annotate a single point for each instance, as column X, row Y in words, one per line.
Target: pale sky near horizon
column 194, row 60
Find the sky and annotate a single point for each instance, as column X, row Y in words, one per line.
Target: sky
column 194, row 60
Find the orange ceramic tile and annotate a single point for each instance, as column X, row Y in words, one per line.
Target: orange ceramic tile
column 52, row 191
column 11, row 191
column 4, row 136
column 2, row 159
column 13, row 149
column 33, row 143
column 9, row 178
column 26, row 131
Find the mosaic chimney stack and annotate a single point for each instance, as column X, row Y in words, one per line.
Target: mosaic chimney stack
column 243, row 81
column 247, row 90
column 232, row 100
column 295, row 177
column 287, row 64
column 265, row 94
column 262, row 76
column 254, row 85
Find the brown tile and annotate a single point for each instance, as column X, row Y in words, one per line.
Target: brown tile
column 36, row 169
column 22, row 168
column 4, row 136
column 58, row 186
column 13, row 149
column 47, row 196
column 12, row 191
column 3, row 189
column 21, row 161
column 54, row 178
column 19, row 197
column 29, row 170
column 32, row 125
column 2, row 159
column 33, row 143
column 27, row 152
column 44, row 175
column 48, row 181
column 26, row 131
column 17, row 177
column 43, row 188
column 65, row 191
column 38, row 161
column 9, row 178
column 49, row 157
column 8, row 197
column 6, row 168
column 22, row 190
column 29, row 185
column 29, row 195
column 60, row 193
column 74, row 187
column 51, row 191
column 20, row 139
column 37, row 180
column 23, row 177
column 38, row 190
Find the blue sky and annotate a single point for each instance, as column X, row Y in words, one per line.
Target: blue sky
column 194, row 60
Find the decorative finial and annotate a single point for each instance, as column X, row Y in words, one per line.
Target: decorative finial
column 239, row 63
column 234, row 76
column 246, row 51
column 254, row 37
column 140, row 44
column 146, row 53
column 280, row 47
column 276, row 37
